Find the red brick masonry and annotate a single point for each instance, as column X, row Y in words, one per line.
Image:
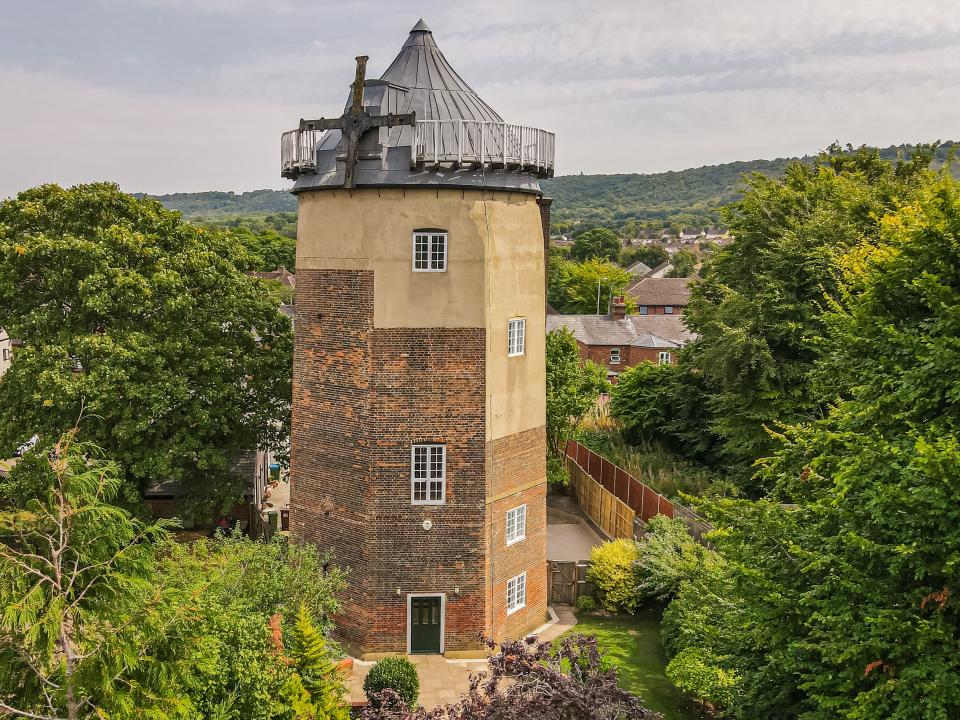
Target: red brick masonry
column 362, row 397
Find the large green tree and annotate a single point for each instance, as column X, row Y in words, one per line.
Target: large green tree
column 759, row 311
column 583, row 288
column 649, row 255
column 573, row 386
column 145, row 325
column 596, row 243
column 842, row 603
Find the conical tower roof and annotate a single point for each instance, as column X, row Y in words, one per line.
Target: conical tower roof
column 459, row 140
column 437, row 92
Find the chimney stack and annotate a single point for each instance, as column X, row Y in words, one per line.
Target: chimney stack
column 618, row 308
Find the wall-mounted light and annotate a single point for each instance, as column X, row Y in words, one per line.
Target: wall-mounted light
column 398, row 591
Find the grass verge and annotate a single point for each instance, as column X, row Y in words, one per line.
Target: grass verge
column 632, row 643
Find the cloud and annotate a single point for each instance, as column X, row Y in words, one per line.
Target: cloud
column 194, row 94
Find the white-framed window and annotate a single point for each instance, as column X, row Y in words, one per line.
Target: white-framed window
column 429, row 251
column 516, row 524
column 614, row 356
column 428, row 474
column 516, row 336
column 665, row 357
column 516, row 593
column 644, row 310
column 668, row 309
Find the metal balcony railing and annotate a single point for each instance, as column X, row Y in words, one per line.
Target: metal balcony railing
column 456, row 143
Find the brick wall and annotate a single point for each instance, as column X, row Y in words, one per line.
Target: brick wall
column 362, row 397
column 629, row 356
column 516, row 475
column 330, row 495
column 662, row 309
column 428, row 386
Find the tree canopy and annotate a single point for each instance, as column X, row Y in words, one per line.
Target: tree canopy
column 572, row 388
column 597, row 243
column 759, row 310
column 102, row 615
column 835, row 596
column 146, row 326
column 583, row 288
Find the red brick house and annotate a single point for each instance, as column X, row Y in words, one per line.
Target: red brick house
column 619, row 341
column 660, row 295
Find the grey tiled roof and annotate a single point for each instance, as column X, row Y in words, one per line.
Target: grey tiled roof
column 650, row 331
column 639, row 268
column 661, row 291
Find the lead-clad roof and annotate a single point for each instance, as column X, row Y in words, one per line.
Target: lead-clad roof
column 437, row 92
column 419, row 80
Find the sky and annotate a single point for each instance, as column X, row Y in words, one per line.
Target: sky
column 189, row 95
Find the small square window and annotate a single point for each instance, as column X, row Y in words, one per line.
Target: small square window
column 516, row 524
column 428, row 474
column 516, row 336
column 668, row 309
column 644, row 310
column 614, row 356
column 429, row 251
column 516, row 593
column 665, row 358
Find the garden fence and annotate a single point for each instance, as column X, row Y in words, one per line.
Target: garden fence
column 634, row 495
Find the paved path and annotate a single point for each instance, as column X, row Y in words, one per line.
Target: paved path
column 443, row 681
column 569, row 537
column 565, row 620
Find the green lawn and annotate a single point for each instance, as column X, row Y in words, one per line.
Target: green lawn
column 633, row 644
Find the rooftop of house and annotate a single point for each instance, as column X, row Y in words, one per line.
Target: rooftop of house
column 661, row 291
column 639, row 268
column 648, row 331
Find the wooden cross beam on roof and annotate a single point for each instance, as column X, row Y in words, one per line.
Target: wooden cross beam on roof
column 356, row 121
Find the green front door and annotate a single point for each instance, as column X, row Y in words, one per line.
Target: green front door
column 425, row 624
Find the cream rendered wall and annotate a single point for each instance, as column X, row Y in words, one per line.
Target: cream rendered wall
column 494, row 272
column 516, row 386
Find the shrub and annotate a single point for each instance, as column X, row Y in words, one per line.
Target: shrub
column 397, row 674
column 612, row 571
column 557, row 475
column 701, row 675
column 668, row 557
column 586, row 603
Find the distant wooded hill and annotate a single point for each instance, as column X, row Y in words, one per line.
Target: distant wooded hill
column 672, row 200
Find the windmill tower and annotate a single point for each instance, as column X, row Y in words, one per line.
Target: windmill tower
column 418, row 445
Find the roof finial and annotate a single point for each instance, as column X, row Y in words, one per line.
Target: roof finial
column 421, row 26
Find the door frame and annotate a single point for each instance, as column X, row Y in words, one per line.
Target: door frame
column 443, row 617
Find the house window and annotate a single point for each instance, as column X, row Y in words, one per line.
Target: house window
column 668, row 309
column 516, row 336
column 644, row 310
column 665, row 357
column 516, row 593
column 429, row 251
column 614, row 356
column 516, row 524
column 428, row 474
